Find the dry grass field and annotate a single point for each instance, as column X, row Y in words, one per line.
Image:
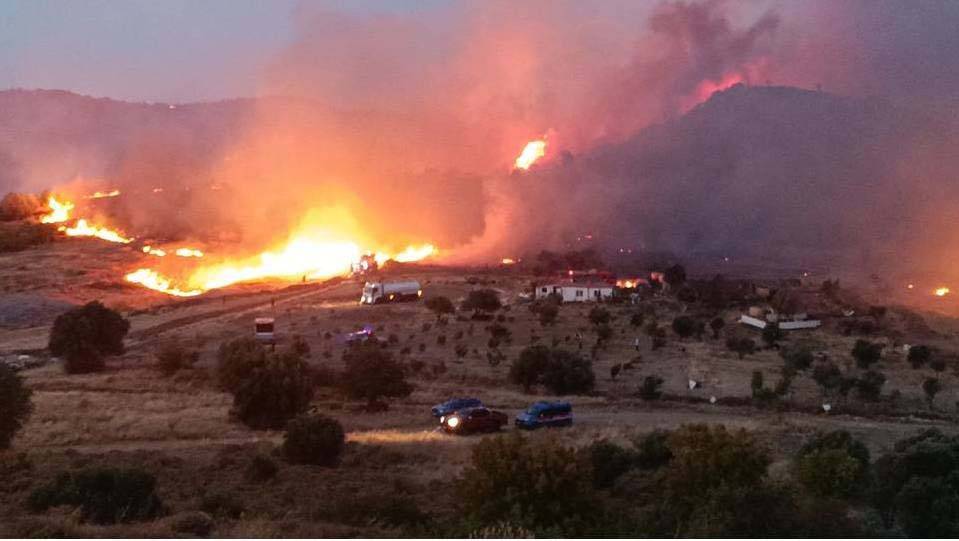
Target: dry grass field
column 180, row 427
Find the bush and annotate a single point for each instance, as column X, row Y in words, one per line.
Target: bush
column 192, row 523
column 19, row 236
column 560, row 371
column 526, row 370
column 273, row 392
column 717, row 324
column 833, row 465
column 637, row 319
column 173, row 357
column 866, row 353
column 104, row 495
column 609, row 461
column 827, row 375
column 538, row 484
column 650, row 388
column 440, row 306
column 223, row 504
column 917, row 485
column 236, row 360
column 299, row 346
column 482, row 300
column 19, row 206
column 797, row 358
column 372, row 374
column 919, row 355
column 15, row 405
column 261, row 468
column 742, row 346
column 548, row 314
column 599, row 316
column 568, row 373
column 85, row 334
column 652, row 450
column 772, row 334
column 869, row 385
column 603, row 332
column 314, row 439
column 931, row 387
column 684, row 326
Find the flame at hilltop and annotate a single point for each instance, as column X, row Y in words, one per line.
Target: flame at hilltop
column 60, row 212
column 533, row 151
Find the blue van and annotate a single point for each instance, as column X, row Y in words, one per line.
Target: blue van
column 545, row 414
column 455, row 404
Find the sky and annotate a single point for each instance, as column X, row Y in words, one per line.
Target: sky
column 171, row 50
column 144, row 50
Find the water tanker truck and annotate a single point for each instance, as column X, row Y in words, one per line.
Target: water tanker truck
column 380, row 292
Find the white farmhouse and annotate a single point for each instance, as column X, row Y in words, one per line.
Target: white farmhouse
column 575, row 292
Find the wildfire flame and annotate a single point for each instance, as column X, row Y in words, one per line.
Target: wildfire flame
column 154, row 251
column 508, row 261
column 101, row 195
column 150, row 279
column 59, row 212
column 188, row 252
column 533, row 151
column 83, row 229
column 942, row 291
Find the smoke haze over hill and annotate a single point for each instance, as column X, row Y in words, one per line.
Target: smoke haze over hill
column 405, row 127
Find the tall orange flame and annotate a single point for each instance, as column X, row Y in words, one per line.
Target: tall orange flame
column 533, row 151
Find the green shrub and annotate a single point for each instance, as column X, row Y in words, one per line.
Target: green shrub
column 742, row 346
column 652, row 450
column 609, row 461
column 222, row 504
column 313, row 439
column 482, row 300
column 869, row 385
column 236, row 360
column 833, row 464
column 560, row 371
column 273, row 392
column 797, row 358
column 104, row 495
column 173, row 357
column 15, row 405
column 866, row 353
column 526, row 370
column 83, row 335
column 536, row 484
column 261, row 468
column 772, row 334
column 371, row 374
column 599, row 316
column 684, row 326
column 919, row 355
column 440, row 306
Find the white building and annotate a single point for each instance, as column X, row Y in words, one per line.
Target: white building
column 786, row 324
column 574, row 292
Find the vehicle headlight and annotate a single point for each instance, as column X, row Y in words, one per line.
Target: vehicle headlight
column 442, row 419
column 453, row 422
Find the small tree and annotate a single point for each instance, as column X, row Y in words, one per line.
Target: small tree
column 866, row 353
column 717, row 324
column 440, row 306
column 919, row 356
column 173, row 357
column 85, row 334
column 15, row 405
column 371, row 374
column 931, row 387
column 599, row 316
column 236, row 360
column 273, row 392
column 314, row 439
column 548, row 313
column 797, row 358
column 827, row 375
column 869, row 385
column 568, row 373
column 482, row 301
column 603, row 333
column 650, row 389
column 833, row 465
column 526, row 369
column 535, row 483
column 684, row 326
column 637, row 319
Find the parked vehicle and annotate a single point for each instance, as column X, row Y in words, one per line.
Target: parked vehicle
column 543, row 414
column 454, row 404
column 365, row 335
column 470, row 420
column 263, row 330
column 380, row 292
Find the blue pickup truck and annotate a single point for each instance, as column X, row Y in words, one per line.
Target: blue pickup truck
column 455, row 404
column 543, row 414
